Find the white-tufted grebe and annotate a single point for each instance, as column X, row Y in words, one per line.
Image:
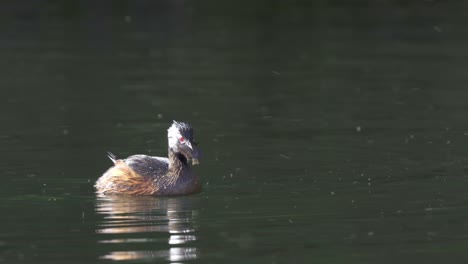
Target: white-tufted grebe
column 147, row 175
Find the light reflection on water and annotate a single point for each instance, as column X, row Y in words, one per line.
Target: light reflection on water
column 167, row 224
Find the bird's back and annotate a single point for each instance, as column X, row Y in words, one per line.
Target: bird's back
column 148, row 166
column 137, row 174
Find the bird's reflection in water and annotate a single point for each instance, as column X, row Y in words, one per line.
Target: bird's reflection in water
column 155, row 227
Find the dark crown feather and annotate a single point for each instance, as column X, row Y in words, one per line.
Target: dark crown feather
column 184, row 128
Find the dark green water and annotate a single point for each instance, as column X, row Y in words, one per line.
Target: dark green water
column 331, row 132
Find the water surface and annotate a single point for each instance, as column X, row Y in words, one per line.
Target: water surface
column 331, row 132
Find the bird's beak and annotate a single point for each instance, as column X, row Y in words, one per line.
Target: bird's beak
column 188, row 144
column 195, row 153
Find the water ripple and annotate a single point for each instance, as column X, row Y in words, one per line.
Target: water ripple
column 155, row 224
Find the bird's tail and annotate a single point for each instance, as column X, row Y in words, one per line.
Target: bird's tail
column 112, row 156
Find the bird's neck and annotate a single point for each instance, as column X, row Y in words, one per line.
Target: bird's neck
column 177, row 162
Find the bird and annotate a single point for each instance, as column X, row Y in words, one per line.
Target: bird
column 148, row 175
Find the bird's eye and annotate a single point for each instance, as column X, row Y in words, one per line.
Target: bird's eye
column 182, row 139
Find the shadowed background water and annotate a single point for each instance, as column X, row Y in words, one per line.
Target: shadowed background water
column 331, row 132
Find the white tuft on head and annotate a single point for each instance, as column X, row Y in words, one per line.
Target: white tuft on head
column 173, row 135
column 179, row 131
